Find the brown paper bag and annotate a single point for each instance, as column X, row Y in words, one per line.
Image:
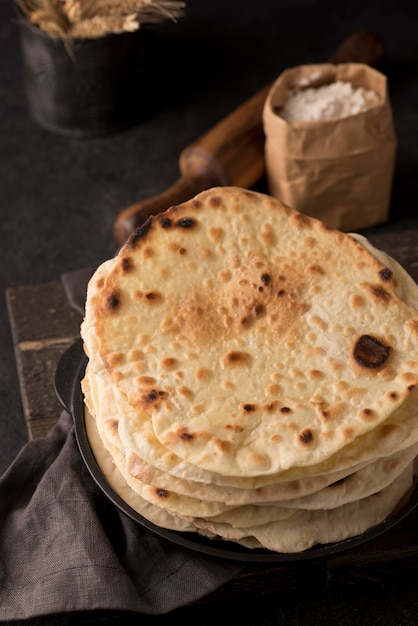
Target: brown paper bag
column 340, row 170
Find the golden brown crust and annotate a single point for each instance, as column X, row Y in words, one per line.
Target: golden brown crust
column 249, row 366
column 233, row 283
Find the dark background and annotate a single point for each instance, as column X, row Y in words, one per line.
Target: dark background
column 59, row 196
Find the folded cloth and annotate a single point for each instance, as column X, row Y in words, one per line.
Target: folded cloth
column 64, row 547
column 75, row 286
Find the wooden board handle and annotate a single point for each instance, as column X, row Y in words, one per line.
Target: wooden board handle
column 232, row 152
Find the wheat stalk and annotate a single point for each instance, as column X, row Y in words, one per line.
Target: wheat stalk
column 98, row 26
column 46, row 14
column 150, row 8
column 95, row 18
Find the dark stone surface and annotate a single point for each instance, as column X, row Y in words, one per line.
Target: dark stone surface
column 60, row 195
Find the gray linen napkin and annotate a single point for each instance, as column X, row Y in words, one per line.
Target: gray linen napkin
column 64, row 547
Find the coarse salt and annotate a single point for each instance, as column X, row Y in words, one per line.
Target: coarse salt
column 336, row 100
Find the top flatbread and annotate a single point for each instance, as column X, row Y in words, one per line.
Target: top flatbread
column 254, row 338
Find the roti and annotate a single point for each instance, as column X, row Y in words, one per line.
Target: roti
column 304, row 529
column 222, row 321
column 252, row 373
column 312, row 492
column 279, row 528
column 116, row 478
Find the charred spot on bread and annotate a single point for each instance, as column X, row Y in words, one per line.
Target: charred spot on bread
column 370, row 353
column 367, row 414
column 150, row 398
column 184, row 435
column 186, row 222
column 249, row 408
column 306, row 437
column 377, row 292
column 161, row 493
column 112, row 301
column 139, row 233
column 385, row 274
column 126, row 264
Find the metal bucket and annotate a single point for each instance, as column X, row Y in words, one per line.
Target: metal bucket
column 87, row 87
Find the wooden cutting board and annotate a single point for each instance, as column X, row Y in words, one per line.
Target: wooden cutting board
column 44, row 325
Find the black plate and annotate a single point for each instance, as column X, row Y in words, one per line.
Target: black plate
column 68, row 376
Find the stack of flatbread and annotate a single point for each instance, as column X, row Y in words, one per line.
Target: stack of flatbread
column 252, row 374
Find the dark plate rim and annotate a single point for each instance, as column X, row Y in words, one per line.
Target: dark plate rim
column 69, row 373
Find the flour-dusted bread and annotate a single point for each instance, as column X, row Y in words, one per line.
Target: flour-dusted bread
column 247, row 362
